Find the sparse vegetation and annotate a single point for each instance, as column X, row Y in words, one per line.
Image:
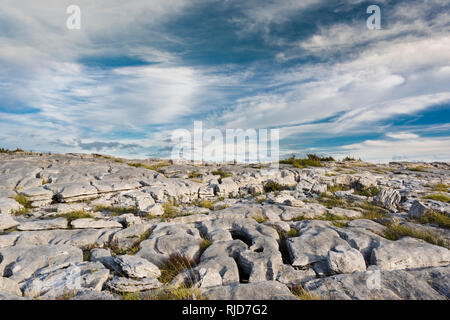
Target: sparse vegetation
column 204, row 244
column 272, row 186
column 338, row 187
column 304, row 294
column 222, row 173
column 439, row 197
column 74, row 215
column 442, row 187
column 310, row 161
column 371, row 211
column 348, row 158
column 433, row 217
column 368, row 192
column 133, row 249
column 332, row 201
column 194, row 174
column 203, row 203
column 170, row 210
column 174, row 265
column 116, row 211
column 23, row 200
column 181, row 293
column 260, row 218
column 154, row 167
column 396, row 231
column 419, row 168
column 4, row 150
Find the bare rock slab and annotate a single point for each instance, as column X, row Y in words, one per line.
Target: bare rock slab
column 136, row 267
column 47, row 224
column 267, row 290
column 409, row 253
column 22, row 262
column 76, row 277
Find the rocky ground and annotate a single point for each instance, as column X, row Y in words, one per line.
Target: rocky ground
column 95, row 227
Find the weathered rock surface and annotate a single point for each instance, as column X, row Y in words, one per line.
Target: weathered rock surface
column 78, row 276
column 409, row 253
column 138, row 268
column 122, row 284
column 243, row 241
column 47, row 224
column 268, row 290
column 424, row 284
column 22, row 262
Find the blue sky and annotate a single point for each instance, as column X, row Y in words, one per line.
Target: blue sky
column 137, row 70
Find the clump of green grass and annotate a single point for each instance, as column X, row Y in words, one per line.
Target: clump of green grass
column 396, row 231
column 304, row 294
column 260, row 218
column 116, row 211
column 74, row 215
column 371, row 211
column 154, row 167
column 442, row 187
column 169, row 210
column 261, row 199
column 23, row 200
column 433, row 217
column 272, row 186
column 203, row 204
column 133, row 249
column 118, row 160
column 310, row 161
column 4, row 150
column 174, row 265
column 340, row 223
column 204, row 244
column 419, row 168
column 338, row 187
column 368, row 192
column 20, row 212
column 332, row 201
column 439, row 197
column 130, row 296
column 348, row 158
column 181, row 293
column 194, row 174
column 222, row 173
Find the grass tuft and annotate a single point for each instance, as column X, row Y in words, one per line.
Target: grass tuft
column 433, row 217
column 203, row 204
column 368, row 192
column 439, row 197
column 442, row 187
column 180, row 293
column 74, row 215
column 222, row 173
column 272, row 186
column 116, row 211
column 304, row 294
column 396, row 231
column 311, row 161
column 174, row 265
column 154, row 167
column 23, row 200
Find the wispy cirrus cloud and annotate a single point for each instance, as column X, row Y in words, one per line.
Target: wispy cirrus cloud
column 130, row 76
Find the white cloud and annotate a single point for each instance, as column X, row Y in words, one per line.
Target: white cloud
column 417, row 149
